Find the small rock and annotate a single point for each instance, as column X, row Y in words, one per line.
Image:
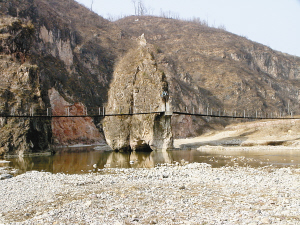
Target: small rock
column 95, row 166
column 5, row 176
column 88, row 203
column 286, row 212
column 123, row 215
column 93, row 196
column 265, row 221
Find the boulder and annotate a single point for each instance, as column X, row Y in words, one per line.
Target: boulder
column 139, row 86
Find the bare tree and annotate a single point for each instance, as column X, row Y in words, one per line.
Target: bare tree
column 141, row 8
column 92, row 5
column 133, row 1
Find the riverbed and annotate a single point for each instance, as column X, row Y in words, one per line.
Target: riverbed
column 246, row 174
column 177, row 193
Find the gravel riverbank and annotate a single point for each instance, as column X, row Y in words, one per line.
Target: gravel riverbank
column 170, row 194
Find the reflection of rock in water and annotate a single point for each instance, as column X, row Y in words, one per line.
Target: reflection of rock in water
column 119, row 159
column 74, row 162
column 138, row 159
column 24, row 164
column 143, row 160
column 162, row 157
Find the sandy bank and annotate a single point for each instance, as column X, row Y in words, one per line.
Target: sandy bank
column 263, row 135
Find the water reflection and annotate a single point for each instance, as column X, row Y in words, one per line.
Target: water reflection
column 83, row 160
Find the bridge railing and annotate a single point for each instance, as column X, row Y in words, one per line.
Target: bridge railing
column 25, row 112
column 217, row 112
column 68, row 111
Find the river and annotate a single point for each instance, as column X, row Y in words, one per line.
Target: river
column 78, row 160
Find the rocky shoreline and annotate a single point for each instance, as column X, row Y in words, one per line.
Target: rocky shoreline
column 194, row 193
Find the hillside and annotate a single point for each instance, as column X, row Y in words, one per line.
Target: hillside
column 221, row 70
column 72, row 55
column 73, row 51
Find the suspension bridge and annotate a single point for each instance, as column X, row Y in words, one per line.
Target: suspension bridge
column 101, row 112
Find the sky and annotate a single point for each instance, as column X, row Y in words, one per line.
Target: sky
column 275, row 23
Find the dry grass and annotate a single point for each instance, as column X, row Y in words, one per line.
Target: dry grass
column 284, row 133
column 231, row 72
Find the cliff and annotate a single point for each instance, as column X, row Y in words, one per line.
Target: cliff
column 73, row 61
column 20, row 92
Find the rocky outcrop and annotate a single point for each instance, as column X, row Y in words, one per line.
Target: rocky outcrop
column 74, row 59
column 137, row 87
column 20, row 93
column 71, row 130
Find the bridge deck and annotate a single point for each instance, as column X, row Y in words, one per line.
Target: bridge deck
column 168, row 113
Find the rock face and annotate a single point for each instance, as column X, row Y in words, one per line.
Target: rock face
column 20, row 92
column 67, row 59
column 74, row 130
column 138, row 86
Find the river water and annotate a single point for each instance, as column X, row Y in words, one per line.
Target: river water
column 78, row 160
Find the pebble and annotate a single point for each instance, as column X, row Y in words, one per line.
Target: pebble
column 5, row 176
column 227, row 195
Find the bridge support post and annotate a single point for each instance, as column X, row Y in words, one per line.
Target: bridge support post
column 168, row 111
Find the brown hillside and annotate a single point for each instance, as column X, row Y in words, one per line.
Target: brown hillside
column 221, row 70
column 73, row 51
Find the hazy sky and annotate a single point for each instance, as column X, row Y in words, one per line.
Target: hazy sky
column 275, row 23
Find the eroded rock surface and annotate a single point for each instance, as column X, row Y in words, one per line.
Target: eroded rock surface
column 138, row 87
column 71, row 130
column 20, row 92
